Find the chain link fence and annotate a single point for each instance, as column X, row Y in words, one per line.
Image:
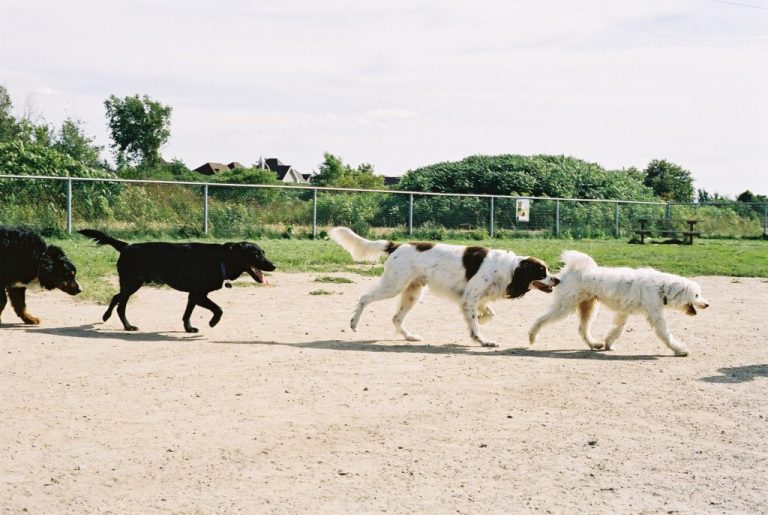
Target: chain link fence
column 57, row 206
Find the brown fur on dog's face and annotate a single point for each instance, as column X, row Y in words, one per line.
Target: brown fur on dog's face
column 56, row 271
column 530, row 272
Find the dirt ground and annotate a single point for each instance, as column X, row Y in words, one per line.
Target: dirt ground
column 281, row 408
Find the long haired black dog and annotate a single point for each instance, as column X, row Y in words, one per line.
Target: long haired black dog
column 26, row 258
column 197, row 268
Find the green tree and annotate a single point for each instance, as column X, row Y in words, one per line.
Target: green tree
column 9, row 127
column 139, row 126
column 669, row 181
column 334, row 172
column 71, row 139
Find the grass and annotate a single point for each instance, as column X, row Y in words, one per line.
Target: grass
column 321, row 292
column 735, row 258
column 333, row 279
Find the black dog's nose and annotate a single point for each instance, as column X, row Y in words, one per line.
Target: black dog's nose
column 556, row 280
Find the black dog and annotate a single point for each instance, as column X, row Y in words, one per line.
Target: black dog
column 24, row 258
column 197, row 268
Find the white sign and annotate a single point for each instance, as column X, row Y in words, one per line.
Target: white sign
column 523, row 211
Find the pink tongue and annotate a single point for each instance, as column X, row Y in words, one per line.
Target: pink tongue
column 260, row 275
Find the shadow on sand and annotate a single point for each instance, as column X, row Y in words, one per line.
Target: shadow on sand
column 451, row 349
column 743, row 374
column 92, row 331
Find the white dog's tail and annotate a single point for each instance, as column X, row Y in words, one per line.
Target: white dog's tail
column 360, row 248
column 576, row 261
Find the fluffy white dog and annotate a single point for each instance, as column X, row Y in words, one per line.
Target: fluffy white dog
column 624, row 290
column 470, row 276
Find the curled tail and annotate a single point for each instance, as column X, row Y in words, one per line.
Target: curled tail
column 360, row 248
column 103, row 239
column 576, row 261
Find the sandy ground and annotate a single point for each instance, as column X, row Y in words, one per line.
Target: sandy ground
column 280, row 408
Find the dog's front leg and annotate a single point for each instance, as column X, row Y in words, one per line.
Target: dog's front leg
column 3, row 300
column 469, row 308
column 19, row 303
column 660, row 326
column 188, row 313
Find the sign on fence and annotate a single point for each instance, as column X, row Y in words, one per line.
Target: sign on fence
column 523, row 211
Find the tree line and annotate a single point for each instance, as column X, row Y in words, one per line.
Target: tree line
column 139, row 126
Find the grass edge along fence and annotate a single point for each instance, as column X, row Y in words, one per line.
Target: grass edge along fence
column 200, row 208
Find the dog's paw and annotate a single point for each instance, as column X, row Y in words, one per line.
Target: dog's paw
column 353, row 325
column 488, row 343
column 131, row 328
column 413, row 338
column 191, row 329
column 598, row 346
column 680, row 353
column 29, row 319
column 214, row 321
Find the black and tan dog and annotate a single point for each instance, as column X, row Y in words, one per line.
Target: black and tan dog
column 196, row 268
column 25, row 259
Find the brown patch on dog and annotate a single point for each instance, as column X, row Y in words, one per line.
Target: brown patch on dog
column 472, row 259
column 422, row 246
column 391, row 247
column 529, row 270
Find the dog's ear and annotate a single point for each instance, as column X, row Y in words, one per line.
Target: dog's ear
column 523, row 275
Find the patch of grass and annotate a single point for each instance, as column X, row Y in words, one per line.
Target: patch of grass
column 333, row 279
column 321, row 292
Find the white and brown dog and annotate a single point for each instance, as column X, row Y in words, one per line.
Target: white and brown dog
column 471, row 276
column 625, row 291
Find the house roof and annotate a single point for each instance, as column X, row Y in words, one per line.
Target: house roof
column 211, row 168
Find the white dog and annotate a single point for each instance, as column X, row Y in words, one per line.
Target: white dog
column 471, row 276
column 624, row 290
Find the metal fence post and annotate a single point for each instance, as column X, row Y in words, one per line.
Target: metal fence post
column 557, row 218
column 616, row 222
column 669, row 211
column 491, row 220
column 314, row 213
column 205, row 208
column 410, row 215
column 69, row 206
column 765, row 221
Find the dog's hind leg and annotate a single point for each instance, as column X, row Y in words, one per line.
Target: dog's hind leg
column 558, row 311
column 18, row 301
column 619, row 321
column 587, row 311
column 408, row 299
column 389, row 285
column 660, row 327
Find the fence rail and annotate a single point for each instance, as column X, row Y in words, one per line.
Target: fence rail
column 58, row 204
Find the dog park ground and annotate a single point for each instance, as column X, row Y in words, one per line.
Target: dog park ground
column 280, row 408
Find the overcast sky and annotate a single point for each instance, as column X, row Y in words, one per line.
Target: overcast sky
column 405, row 83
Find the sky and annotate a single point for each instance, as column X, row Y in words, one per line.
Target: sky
column 406, row 83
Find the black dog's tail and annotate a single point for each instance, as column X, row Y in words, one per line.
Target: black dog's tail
column 103, row 239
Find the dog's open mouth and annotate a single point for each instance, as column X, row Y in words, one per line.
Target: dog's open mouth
column 690, row 309
column 258, row 275
column 541, row 286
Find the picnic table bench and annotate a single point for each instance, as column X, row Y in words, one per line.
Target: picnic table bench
column 667, row 228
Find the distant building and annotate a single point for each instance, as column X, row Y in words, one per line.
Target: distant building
column 212, row 168
column 284, row 172
column 391, row 180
